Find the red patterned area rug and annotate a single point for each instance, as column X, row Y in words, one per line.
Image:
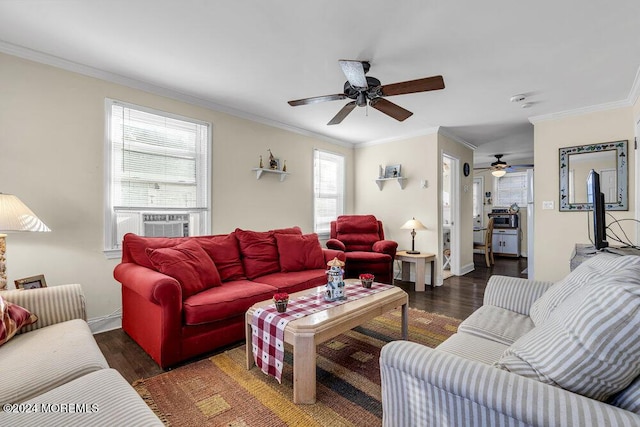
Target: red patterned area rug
column 219, row 391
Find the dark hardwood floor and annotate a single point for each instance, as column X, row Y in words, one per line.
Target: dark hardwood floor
column 459, row 297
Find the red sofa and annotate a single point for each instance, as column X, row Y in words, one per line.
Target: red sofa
column 182, row 297
column 361, row 237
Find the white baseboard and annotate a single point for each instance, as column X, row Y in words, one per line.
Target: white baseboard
column 106, row 323
column 466, row 269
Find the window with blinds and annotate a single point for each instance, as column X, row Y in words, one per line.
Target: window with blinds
column 158, row 177
column 328, row 190
column 510, row 189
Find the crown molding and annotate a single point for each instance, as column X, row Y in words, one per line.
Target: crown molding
column 581, row 111
column 75, row 67
column 445, row 132
column 424, row 132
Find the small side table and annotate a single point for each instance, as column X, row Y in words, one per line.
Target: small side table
column 420, row 260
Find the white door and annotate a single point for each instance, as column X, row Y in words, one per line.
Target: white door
column 451, row 210
column 530, row 224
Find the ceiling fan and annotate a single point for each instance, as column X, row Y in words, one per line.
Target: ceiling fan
column 500, row 168
column 366, row 90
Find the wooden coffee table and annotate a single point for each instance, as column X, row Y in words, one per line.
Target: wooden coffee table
column 306, row 333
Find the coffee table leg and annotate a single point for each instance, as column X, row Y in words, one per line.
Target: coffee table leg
column 304, row 369
column 405, row 322
column 248, row 340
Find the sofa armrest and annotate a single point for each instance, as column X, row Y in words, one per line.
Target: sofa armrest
column 423, row 386
column 151, row 285
column 336, row 245
column 330, row 254
column 513, row 293
column 385, row 247
column 55, row 304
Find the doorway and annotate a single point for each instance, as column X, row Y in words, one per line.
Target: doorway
column 450, row 216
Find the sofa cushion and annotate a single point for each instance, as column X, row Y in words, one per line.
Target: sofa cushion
column 629, row 398
column 222, row 302
column 592, row 346
column 592, row 271
column 110, row 401
column 497, row 324
column 43, row 359
column 472, row 347
column 260, row 251
column 137, row 246
column 189, row 264
column 295, row 281
column 299, row 252
column 367, row 257
column 225, row 253
column 13, row 317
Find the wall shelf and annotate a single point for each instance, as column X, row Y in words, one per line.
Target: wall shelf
column 260, row 171
column 401, row 182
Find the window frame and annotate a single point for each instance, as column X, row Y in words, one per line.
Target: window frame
column 496, row 188
column 340, row 196
column 111, row 249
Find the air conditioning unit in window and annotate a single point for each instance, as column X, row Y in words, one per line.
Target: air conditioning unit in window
column 165, row 225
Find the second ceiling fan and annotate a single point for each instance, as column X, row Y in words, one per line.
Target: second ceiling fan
column 500, row 168
column 365, row 90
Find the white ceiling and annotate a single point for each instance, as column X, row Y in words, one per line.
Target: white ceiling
column 253, row 56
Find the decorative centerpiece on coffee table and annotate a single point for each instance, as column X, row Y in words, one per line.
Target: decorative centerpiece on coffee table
column 366, row 279
column 281, row 299
column 335, row 285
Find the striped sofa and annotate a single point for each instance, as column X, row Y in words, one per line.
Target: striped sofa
column 53, row 373
column 536, row 353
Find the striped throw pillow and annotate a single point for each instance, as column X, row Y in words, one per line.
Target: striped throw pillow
column 592, row 346
column 590, row 272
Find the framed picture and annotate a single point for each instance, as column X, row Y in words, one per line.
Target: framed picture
column 33, row 282
column 392, row 171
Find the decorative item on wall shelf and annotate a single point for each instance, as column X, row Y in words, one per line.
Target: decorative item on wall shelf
column 380, row 172
column 274, row 164
column 413, row 225
column 392, row 171
column 261, row 165
column 33, row 282
column 284, row 166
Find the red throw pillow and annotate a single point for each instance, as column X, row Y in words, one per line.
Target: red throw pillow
column 299, row 253
column 259, row 252
column 223, row 250
column 137, row 246
column 14, row 317
column 189, row 264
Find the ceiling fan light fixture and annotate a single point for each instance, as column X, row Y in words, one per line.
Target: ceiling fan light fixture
column 499, row 173
column 518, row 98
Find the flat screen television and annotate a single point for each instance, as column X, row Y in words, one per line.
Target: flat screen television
column 596, row 199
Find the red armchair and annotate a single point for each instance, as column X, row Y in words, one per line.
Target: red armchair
column 361, row 237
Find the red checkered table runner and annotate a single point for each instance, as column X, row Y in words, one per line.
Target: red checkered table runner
column 267, row 325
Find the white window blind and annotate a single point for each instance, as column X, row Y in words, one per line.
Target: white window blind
column 510, row 189
column 158, row 163
column 328, row 184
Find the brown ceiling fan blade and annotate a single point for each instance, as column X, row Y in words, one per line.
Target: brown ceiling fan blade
column 316, row 99
column 354, row 72
column 344, row 112
column 413, row 86
column 390, row 109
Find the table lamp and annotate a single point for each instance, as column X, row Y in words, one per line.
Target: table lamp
column 14, row 216
column 413, row 225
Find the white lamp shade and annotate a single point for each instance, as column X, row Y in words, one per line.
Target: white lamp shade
column 498, row 173
column 16, row 216
column 413, row 224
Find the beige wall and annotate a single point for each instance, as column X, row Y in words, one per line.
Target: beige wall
column 420, row 158
column 52, row 145
column 557, row 232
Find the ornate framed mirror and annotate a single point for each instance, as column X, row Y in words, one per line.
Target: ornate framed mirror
column 609, row 159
